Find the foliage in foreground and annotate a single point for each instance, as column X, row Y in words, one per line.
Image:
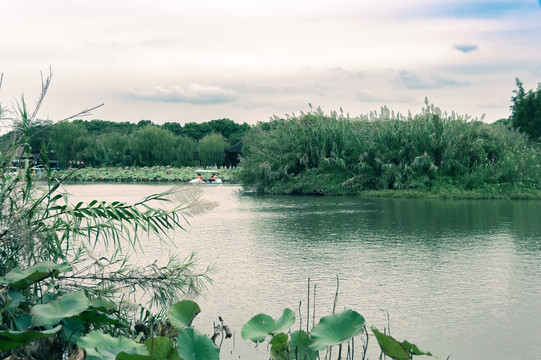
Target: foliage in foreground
column 430, row 152
column 336, row 330
column 65, row 325
column 66, row 266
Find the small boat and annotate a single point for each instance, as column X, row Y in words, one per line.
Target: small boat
column 201, row 180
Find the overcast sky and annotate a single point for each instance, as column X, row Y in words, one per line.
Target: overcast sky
column 246, row 60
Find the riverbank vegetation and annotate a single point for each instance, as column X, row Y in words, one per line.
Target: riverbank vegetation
column 66, row 280
column 434, row 153
column 68, row 289
column 99, row 143
column 169, row 174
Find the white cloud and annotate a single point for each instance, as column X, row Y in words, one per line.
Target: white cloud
column 193, row 94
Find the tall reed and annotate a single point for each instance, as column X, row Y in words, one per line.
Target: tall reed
column 333, row 154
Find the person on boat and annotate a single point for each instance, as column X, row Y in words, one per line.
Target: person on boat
column 213, row 177
column 199, row 177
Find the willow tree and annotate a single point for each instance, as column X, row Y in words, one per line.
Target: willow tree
column 152, row 145
column 211, row 149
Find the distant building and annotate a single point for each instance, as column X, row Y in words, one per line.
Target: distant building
column 232, row 155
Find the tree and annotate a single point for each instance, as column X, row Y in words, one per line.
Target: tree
column 151, row 145
column 526, row 110
column 186, row 147
column 110, row 149
column 174, row 127
column 196, row 131
column 211, row 149
column 68, row 140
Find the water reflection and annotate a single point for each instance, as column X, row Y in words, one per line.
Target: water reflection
column 458, row 277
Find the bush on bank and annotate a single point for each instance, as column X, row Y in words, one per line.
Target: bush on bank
column 430, row 153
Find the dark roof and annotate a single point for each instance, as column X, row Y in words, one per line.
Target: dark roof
column 237, row 148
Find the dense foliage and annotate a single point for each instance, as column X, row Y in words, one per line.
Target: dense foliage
column 526, row 111
column 65, row 272
column 100, row 143
column 334, row 154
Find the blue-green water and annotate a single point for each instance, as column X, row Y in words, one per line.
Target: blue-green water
column 459, row 278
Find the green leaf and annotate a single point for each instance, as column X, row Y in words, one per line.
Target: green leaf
column 336, row 329
column 13, row 339
column 414, row 350
column 192, row 345
column 286, row 320
column 92, row 315
column 99, row 346
column 103, row 305
column 261, row 325
column 22, row 279
column 73, row 329
column 182, row 313
column 162, row 348
column 63, row 307
column 279, row 347
column 391, row 347
column 300, row 346
column 17, row 298
column 125, row 356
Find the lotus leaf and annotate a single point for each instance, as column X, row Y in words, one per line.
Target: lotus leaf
column 192, row 345
column 63, row 307
column 13, row 339
column 73, row 329
column 125, row 356
column 21, row 279
column 103, row 305
column 279, row 347
column 336, row 329
column 262, row 325
column 100, row 346
column 95, row 316
column 182, row 313
column 162, row 348
column 300, row 346
column 17, row 298
column 414, row 350
column 391, row 347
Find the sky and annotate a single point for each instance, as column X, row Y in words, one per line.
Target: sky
column 246, row 60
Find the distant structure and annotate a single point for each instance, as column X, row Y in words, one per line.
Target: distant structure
column 232, row 155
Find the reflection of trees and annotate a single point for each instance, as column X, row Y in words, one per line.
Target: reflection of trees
column 339, row 219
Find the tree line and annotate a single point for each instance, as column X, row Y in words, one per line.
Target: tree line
column 100, row 143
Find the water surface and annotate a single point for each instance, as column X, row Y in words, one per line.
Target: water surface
column 459, row 278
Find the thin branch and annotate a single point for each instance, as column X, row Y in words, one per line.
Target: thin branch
column 308, row 308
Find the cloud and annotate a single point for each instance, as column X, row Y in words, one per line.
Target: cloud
column 466, row 48
column 193, row 94
column 416, row 82
column 369, row 96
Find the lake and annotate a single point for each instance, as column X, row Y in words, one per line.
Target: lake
column 459, row 278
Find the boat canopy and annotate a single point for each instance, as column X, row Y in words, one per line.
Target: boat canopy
column 206, row 171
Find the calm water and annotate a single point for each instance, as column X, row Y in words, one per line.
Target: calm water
column 459, row 278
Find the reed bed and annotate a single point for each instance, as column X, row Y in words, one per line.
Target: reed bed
column 428, row 153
